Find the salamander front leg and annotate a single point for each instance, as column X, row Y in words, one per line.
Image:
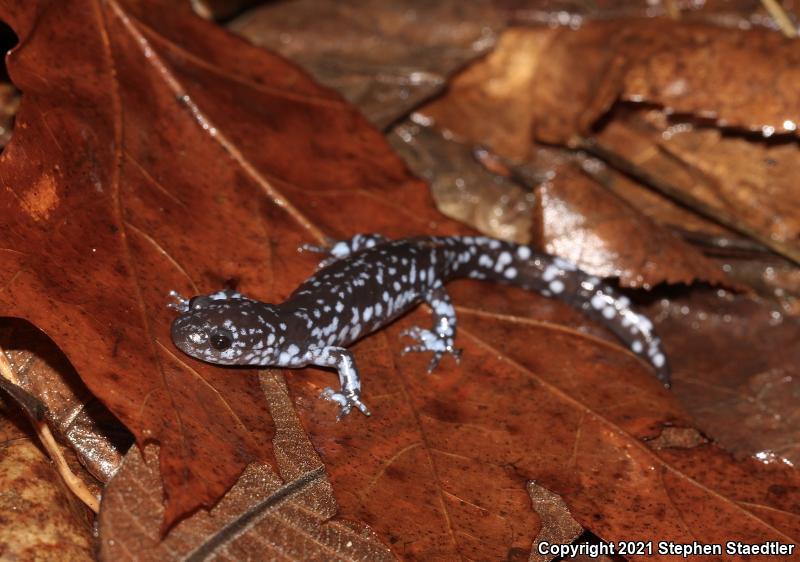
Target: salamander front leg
column 337, row 250
column 440, row 339
column 349, row 394
column 180, row 303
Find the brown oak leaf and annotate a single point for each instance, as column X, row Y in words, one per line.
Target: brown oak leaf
column 154, row 161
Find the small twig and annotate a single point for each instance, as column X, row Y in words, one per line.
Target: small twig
column 684, row 199
column 781, row 18
column 75, row 484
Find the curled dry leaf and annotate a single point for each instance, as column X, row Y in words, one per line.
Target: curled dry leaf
column 96, row 437
column 580, row 221
column 40, row 518
column 749, row 180
column 393, row 55
column 265, row 516
column 737, row 78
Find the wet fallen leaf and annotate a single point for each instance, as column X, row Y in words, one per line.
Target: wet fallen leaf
column 691, row 70
column 108, row 210
column 726, row 75
column 736, row 362
column 559, row 86
column 489, row 102
column 76, row 417
column 580, row 221
column 748, row 179
column 461, row 187
column 394, row 55
column 231, row 161
column 287, row 515
column 773, row 279
column 559, row 83
column 651, row 204
column 40, row 518
column 529, row 401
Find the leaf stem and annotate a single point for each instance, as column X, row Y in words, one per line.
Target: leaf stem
column 779, row 15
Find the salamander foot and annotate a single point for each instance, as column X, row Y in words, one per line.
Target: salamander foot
column 347, row 400
column 180, row 304
column 435, row 343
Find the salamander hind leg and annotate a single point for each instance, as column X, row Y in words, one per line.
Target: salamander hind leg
column 349, row 395
column 441, row 338
column 337, row 250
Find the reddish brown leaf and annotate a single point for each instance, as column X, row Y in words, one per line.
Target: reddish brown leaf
column 691, row 70
column 775, row 280
column 529, row 402
column 736, row 362
column 580, row 221
column 558, row 84
column 230, row 161
column 651, row 204
column 265, row 516
column 162, row 158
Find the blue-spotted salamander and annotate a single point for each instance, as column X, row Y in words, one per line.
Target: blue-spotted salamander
column 367, row 282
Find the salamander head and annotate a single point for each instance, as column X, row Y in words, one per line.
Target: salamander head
column 236, row 331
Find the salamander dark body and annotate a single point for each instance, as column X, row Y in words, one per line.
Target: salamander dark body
column 367, row 282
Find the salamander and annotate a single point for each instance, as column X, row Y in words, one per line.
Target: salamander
column 367, row 282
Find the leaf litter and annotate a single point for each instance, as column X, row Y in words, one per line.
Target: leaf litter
column 454, row 450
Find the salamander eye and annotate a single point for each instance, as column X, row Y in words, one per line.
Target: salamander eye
column 220, row 340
